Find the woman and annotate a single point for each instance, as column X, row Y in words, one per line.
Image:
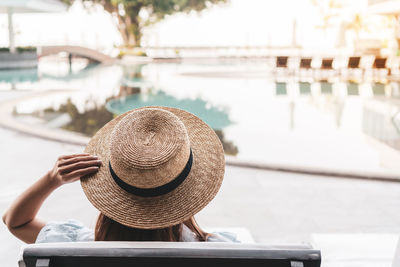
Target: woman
column 148, row 172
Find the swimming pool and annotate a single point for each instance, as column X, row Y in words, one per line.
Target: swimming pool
column 334, row 123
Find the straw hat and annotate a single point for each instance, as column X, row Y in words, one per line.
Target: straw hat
column 160, row 167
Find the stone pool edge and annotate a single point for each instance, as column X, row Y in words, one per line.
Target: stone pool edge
column 7, row 121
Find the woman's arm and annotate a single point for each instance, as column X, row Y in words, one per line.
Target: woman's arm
column 21, row 219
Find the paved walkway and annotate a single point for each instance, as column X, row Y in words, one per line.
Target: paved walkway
column 355, row 222
column 275, row 207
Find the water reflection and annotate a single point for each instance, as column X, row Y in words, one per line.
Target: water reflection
column 96, row 116
column 85, row 72
column 281, row 88
column 352, row 88
column 292, row 120
column 19, row 76
column 285, row 121
column 133, row 73
column 326, row 88
column 229, row 147
column 217, row 118
column 338, row 107
column 87, row 122
column 305, row 88
column 378, row 89
column 381, row 120
column 13, row 77
column 394, row 90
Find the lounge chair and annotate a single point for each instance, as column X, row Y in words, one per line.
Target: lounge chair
column 326, row 68
column 379, row 65
column 327, row 64
column 281, row 65
column 282, row 62
column 123, row 254
column 353, row 64
column 305, row 65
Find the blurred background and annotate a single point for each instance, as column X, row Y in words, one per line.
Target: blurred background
column 302, row 94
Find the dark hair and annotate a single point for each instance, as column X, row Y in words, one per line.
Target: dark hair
column 110, row 230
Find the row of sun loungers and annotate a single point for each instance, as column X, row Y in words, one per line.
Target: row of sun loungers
column 353, row 63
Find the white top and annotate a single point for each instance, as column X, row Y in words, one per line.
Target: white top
column 75, row 231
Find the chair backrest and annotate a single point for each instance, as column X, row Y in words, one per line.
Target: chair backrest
column 121, row 254
column 282, row 62
column 305, row 63
column 327, row 63
column 379, row 63
column 354, row 62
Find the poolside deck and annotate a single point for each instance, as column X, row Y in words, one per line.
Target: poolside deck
column 275, row 207
column 355, row 222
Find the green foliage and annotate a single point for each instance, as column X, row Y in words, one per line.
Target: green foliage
column 229, row 147
column 160, row 8
column 131, row 52
column 88, row 122
column 131, row 23
column 68, row 2
column 19, row 49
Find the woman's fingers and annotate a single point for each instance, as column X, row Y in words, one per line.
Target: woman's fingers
column 79, row 165
column 72, row 156
column 70, row 168
column 72, row 160
column 81, row 172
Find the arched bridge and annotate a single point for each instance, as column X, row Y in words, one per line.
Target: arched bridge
column 73, row 50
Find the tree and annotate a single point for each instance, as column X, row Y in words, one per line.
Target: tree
column 134, row 15
column 330, row 10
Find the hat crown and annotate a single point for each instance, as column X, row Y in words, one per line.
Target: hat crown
column 149, row 148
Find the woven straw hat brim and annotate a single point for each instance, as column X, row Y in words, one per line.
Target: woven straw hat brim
column 198, row 189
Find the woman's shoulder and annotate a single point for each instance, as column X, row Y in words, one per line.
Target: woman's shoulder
column 75, row 231
column 223, row 237
column 64, row 231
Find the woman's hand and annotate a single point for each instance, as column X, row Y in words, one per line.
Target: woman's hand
column 71, row 168
column 21, row 219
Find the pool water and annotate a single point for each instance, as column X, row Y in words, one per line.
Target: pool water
column 216, row 118
column 334, row 123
